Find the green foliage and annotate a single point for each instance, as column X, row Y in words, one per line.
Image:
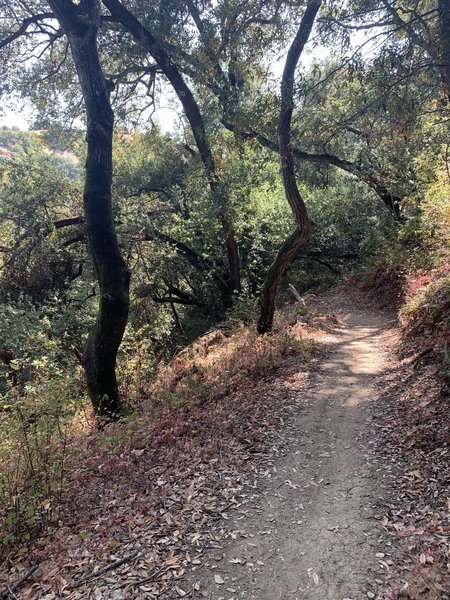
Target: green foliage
column 421, row 241
column 381, row 113
column 38, row 190
column 41, row 393
column 38, row 420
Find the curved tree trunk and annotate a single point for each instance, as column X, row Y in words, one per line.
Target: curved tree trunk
column 284, row 257
column 194, row 116
column 80, row 23
column 444, row 20
column 305, row 226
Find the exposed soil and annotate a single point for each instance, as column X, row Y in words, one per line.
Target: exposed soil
column 315, row 482
column 313, row 534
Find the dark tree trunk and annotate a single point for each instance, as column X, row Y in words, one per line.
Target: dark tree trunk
column 304, row 225
column 80, row 23
column 234, row 262
column 194, row 116
column 284, row 257
column 444, row 20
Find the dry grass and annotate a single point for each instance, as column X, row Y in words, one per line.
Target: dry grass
column 218, row 363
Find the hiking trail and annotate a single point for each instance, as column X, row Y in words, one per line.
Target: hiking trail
column 313, row 534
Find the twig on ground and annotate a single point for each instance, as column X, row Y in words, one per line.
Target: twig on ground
column 114, row 565
column 10, row 589
column 148, row 579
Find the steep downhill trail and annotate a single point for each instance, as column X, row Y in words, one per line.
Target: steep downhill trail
column 313, row 534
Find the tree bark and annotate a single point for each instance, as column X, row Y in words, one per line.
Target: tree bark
column 444, row 21
column 284, row 257
column 305, row 226
column 391, row 201
column 80, row 23
column 234, row 261
column 194, row 116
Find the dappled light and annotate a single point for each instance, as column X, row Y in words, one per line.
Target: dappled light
column 224, row 299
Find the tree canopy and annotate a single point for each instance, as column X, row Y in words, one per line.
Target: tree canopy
column 350, row 100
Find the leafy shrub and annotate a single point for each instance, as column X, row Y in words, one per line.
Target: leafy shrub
column 427, row 311
column 37, row 423
column 41, row 405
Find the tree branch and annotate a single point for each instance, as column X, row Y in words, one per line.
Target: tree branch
column 193, row 258
column 24, row 27
column 67, row 222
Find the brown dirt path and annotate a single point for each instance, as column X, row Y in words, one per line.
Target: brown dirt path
column 313, row 533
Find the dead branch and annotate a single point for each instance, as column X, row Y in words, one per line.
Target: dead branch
column 10, row 589
column 114, row 565
column 296, row 295
column 76, row 353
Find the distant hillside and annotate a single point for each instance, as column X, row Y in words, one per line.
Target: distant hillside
column 14, row 142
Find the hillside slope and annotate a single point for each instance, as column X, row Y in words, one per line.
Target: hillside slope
column 263, row 468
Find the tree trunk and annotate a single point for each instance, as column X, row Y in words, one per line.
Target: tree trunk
column 444, row 20
column 80, row 22
column 194, row 116
column 284, row 257
column 234, row 262
column 305, row 226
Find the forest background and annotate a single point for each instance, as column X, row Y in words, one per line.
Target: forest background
column 122, row 243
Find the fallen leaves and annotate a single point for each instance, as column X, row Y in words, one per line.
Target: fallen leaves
column 413, row 450
column 144, row 497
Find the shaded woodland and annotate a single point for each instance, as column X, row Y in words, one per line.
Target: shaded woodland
column 302, row 144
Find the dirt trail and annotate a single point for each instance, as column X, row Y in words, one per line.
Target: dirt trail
column 313, row 534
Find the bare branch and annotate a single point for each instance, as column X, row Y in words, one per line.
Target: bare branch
column 24, row 27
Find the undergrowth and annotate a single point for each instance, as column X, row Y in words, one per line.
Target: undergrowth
column 219, row 362
column 37, row 424
column 428, row 306
column 48, row 433
column 425, row 318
